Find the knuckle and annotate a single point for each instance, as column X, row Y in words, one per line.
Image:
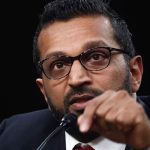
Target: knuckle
column 122, row 93
column 109, row 118
column 100, row 113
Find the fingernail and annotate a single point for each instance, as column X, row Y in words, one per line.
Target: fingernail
column 84, row 127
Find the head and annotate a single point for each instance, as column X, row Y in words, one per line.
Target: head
column 84, row 48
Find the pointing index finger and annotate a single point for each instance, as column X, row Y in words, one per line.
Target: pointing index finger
column 85, row 120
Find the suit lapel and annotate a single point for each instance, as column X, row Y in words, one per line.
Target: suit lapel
column 57, row 142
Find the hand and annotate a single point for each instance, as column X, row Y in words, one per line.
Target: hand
column 117, row 116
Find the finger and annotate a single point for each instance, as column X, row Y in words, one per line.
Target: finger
column 86, row 119
column 113, row 112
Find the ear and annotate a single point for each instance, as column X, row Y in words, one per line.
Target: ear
column 136, row 71
column 40, row 84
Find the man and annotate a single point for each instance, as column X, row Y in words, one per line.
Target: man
column 87, row 66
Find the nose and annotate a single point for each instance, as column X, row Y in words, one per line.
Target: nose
column 78, row 75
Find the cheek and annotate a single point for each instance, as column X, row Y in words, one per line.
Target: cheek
column 56, row 93
column 110, row 78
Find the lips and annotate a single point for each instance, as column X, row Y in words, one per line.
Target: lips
column 79, row 102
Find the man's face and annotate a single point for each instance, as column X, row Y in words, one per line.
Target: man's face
column 71, row 93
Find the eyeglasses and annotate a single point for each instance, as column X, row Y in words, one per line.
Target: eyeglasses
column 94, row 59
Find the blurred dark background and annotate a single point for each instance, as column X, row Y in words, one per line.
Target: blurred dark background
column 19, row 93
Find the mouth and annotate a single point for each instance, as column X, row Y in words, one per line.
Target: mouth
column 79, row 102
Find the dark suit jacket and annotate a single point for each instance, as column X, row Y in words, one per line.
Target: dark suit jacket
column 27, row 131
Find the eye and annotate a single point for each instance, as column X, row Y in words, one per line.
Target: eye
column 57, row 65
column 96, row 56
column 95, row 59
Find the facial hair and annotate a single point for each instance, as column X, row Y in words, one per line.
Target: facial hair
column 58, row 114
column 81, row 90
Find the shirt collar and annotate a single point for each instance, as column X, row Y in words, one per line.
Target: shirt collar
column 99, row 143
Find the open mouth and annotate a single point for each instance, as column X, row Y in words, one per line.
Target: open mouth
column 79, row 102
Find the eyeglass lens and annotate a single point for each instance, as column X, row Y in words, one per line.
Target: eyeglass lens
column 93, row 60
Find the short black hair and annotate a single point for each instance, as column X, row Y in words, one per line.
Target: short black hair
column 63, row 10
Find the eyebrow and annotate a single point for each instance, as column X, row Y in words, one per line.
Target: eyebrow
column 93, row 44
column 86, row 46
column 55, row 54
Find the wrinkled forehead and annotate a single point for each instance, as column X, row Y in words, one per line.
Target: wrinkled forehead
column 74, row 35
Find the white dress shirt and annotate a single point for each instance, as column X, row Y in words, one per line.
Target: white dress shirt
column 99, row 143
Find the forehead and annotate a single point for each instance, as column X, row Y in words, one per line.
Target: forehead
column 73, row 36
